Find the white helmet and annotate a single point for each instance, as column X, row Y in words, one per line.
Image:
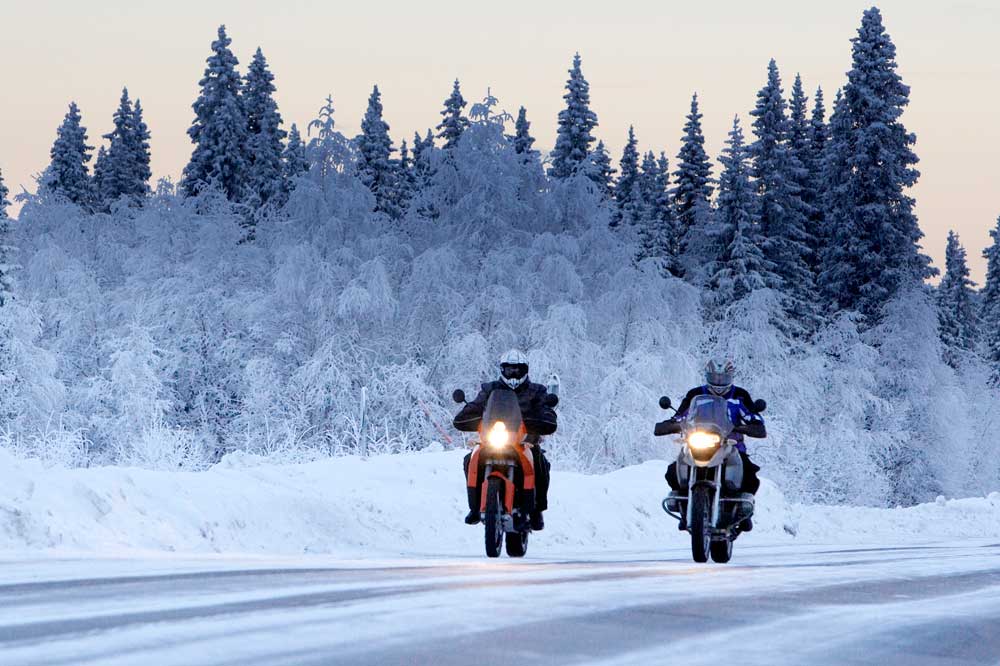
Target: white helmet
column 514, row 368
column 719, row 376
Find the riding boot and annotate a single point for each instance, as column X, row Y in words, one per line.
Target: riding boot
column 472, row 518
column 537, row 521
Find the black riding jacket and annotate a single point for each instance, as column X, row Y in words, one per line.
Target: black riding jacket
column 539, row 419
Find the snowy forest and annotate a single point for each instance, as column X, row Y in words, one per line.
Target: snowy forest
column 299, row 293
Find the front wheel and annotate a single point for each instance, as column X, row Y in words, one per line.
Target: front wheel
column 701, row 515
column 494, row 517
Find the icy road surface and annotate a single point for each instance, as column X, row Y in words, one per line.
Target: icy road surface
column 913, row 605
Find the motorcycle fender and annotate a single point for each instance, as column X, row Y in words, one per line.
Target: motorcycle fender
column 508, row 494
column 527, row 466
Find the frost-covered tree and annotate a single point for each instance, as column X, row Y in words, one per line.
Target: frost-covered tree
column 219, row 132
column 453, row 123
column 328, row 151
column 123, row 169
column 801, row 130
column 375, row 167
column 406, row 182
column 989, row 312
column 626, row 186
column 140, row 149
column 656, row 225
column 958, row 321
column 817, row 137
column 876, row 228
column 67, row 176
column 575, row 133
column 423, row 170
column 692, row 179
column 740, row 268
column 523, row 141
column 600, row 171
column 783, row 216
column 293, row 158
column 264, row 177
column 841, row 235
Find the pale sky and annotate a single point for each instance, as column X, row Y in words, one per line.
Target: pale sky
column 643, row 59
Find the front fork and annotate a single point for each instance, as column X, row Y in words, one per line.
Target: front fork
column 715, row 484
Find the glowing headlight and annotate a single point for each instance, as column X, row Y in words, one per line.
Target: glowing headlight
column 498, row 436
column 703, row 440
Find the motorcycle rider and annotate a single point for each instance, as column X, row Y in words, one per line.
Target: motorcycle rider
column 539, row 419
column 719, row 382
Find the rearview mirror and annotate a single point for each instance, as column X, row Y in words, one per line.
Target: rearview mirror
column 458, row 395
column 759, row 406
column 551, row 400
column 664, row 402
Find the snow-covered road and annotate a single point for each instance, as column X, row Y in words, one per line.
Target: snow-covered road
column 914, row 605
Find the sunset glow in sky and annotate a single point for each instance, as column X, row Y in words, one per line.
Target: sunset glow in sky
column 643, row 60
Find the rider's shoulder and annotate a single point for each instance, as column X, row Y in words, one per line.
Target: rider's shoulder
column 740, row 393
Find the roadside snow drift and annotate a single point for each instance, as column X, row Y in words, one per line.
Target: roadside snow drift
column 402, row 504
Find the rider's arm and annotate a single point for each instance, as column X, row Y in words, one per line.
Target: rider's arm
column 467, row 420
column 672, row 426
column 752, row 423
column 541, row 419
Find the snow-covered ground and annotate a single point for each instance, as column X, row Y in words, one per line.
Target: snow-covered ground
column 366, row 561
column 401, row 505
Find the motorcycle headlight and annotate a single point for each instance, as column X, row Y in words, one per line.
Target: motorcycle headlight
column 700, row 441
column 498, row 436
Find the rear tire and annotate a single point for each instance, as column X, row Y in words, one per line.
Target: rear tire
column 517, row 544
column 701, row 512
column 493, row 525
column 722, row 551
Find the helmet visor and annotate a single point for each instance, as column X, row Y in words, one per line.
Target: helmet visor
column 721, row 380
column 513, row 370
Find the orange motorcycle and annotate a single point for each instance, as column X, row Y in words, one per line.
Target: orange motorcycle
column 501, row 466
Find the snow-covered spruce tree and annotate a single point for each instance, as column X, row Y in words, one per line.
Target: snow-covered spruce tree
column 692, row 180
column 783, row 216
column 841, row 234
column 406, row 181
column 801, row 130
column 818, row 135
column 628, row 166
column 219, row 131
column 123, row 170
column 875, row 250
column 575, row 133
column 66, row 176
column 599, row 170
column 656, row 223
column 740, row 268
column 423, row 168
column 329, row 151
column 6, row 250
column 989, row 312
column 139, row 143
column 453, row 123
column 294, row 162
column 264, row 177
column 523, row 141
column 98, row 179
column 958, row 321
column 375, row 167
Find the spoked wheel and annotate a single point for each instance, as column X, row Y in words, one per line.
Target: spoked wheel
column 701, row 514
column 494, row 518
column 517, row 543
column 722, row 551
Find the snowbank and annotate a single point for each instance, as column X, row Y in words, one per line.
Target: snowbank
column 393, row 505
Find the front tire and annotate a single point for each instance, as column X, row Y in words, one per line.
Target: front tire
column 493, row 525
column 517, row 544
column 701, row 512
column 722, row 551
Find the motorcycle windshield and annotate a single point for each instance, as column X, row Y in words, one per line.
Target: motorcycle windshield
column 502, row 406
column 710, row 412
